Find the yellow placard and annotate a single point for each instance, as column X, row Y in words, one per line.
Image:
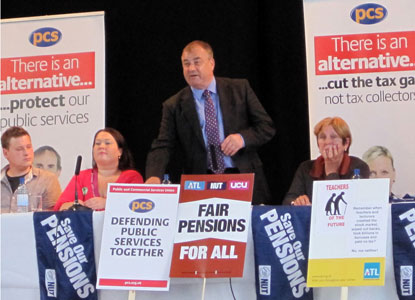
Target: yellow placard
column 346, row 272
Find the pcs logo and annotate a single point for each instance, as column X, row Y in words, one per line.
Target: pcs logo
column 369, row 13
column 141, row 205
column 45, row 37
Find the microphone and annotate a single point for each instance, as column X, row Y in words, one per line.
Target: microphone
column 77, row 170
column 76, row 206
column 78, row 165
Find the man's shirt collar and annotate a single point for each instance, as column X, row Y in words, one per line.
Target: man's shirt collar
column 211, row 88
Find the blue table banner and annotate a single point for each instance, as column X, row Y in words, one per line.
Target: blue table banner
column 403, row 236
column 281, row 239
column 65, row 253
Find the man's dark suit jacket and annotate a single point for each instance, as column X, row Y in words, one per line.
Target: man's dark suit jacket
column 180, row 131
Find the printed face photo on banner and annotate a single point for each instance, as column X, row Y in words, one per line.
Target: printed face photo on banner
column 47, row 158
column 380, row 162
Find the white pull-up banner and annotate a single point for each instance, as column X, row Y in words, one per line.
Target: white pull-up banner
column 53, row 85
column 360, row 65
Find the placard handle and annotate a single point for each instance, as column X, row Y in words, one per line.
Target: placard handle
column 204, row 288
column 344, row 293
column 131, row 295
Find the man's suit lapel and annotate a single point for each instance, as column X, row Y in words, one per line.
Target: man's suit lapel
column 190, row 114
column 227, row 104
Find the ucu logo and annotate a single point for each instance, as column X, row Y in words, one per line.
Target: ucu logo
column 238, row 185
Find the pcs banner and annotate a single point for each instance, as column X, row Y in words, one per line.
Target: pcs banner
column 53, row 85
column 360, row 67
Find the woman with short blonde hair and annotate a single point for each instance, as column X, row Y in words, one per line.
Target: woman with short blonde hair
column 333, row 139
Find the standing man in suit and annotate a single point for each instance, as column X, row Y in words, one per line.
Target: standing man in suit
column 219, row 138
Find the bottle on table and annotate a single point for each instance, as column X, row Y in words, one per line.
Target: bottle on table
column 356, row 174
column 22, row 197
column 166, row 179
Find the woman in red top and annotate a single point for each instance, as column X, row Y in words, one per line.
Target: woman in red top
column 112, row 163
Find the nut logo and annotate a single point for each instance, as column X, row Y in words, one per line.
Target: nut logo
column 141, row 205
column 45, row 37
column 368, row 13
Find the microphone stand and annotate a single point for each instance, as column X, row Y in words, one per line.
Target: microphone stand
column 76, row 205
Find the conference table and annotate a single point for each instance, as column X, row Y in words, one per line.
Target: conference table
column 19, row 273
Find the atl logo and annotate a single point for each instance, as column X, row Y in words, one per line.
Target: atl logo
column 238, row 185
column 371, row 271
column 194, row 185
